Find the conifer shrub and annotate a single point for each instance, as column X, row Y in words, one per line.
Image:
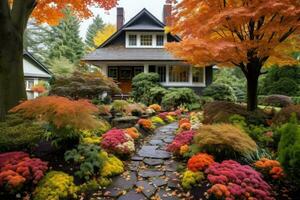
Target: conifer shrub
column 17, row 133
column 224, row 141
column 284, row 115
column 56, row 185
column 221, row 111
column 289, row 148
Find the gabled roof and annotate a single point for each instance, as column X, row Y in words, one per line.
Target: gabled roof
column 36, row 63
column 153, row 24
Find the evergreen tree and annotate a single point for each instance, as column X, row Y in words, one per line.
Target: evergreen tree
column 35, row 37
column 65, row 40
column 93, row 29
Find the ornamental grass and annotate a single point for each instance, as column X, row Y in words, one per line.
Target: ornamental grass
column 224, row 141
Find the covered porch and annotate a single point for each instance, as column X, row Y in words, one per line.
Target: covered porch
column 171, row 74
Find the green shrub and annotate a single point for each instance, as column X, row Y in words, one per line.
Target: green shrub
column 89, row 159
column 220, row 112
column 289, row 148
column 285, row 114
column 55, row 186
column 220, row 92
column 17, row 133
column 156, row 94
column 281, row 80
column 142, row 84
column 296, row 100
column 179, row 96
column 259, row 133
column 224, row 141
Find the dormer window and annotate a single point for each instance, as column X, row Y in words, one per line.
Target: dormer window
column 132, row 40
column 160, row 40
column 145, row 40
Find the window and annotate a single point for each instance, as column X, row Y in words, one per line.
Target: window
column 113, row 72
column 132, row 40
column 179, row 74
column 159, row 40
column 198, row 75
column 138, row 70
column 29, row 84
column 161, row 70
column 146, row 40
column 125, row 73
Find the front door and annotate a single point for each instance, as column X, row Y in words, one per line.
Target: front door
column 124, row 75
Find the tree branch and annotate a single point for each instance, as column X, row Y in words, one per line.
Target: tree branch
column 287, row 34
column 4, row 9
column 21, row 11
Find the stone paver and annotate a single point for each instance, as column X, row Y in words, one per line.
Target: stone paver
column 151, row 172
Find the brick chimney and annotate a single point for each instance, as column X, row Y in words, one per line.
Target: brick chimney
column 167, row 12
column 120, row 17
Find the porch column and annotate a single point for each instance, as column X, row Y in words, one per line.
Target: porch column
column 146, row 68
column 104, row 70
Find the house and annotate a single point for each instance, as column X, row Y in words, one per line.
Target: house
column 138, row 46
column 34, row 71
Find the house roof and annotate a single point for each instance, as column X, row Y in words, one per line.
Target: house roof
column 130, row 54
column 143, row 21
column 36, row 63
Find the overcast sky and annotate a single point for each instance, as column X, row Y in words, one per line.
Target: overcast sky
column 131, row 7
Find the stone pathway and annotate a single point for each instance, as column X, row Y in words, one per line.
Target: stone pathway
column 151, row 173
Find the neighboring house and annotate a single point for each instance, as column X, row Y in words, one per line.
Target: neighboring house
column 34, row 71
column 138, row 46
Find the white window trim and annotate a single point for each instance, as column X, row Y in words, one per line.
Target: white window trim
column 190, row 83
column 138, row 37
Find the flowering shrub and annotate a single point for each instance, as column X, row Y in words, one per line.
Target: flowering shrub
column 146, row 124
column 270, row 167
column 56, row 185
column 196, row 119
column 183, row 121
column 155, row 107
column 191, row 178
column 170, row 119
column 112, row 165
column 183, row 138
column 17, row 168
column 150, row 111
column 163, row 115
column 241, row 181
column 117, row 141
column 200, row 162
column 185, row 126
column 220, row 191
column 184, row 149
column 173, row 114
column 133, row 132
column 157, row 120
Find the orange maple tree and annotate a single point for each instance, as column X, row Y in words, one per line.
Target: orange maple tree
column 14, row 15
column 249, row 34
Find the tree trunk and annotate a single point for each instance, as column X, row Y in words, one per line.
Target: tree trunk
column 12, row 85
column 252, row 87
